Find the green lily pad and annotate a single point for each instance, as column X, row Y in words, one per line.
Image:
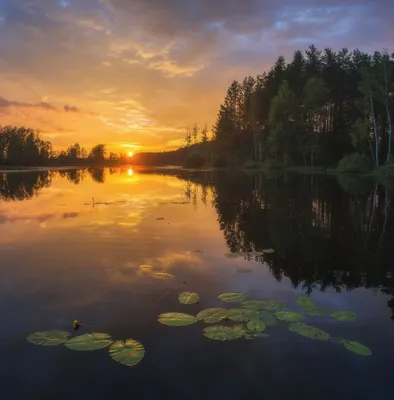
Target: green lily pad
column 255, row 325
column 268, row 251
column 129, row 352
column 254, row 335
column 232, row 297
column 273, row 305
column 89, row 341
column 188, row 298
column 212, row 315
column 315, row 312
column 268, row 319
column 48, row 338
column 163, row 275
column 255, row 253
column 356, row 347
column 288, row 316
column 309, row 331
column 240, row 314
column 305, row 301
column 253, row 304
column 231, row 255
column 244, row 270
column 344, row 316
column 264, row 305
column 222, row 332
column 176, row 319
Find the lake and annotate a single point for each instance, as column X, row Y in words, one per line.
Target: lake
column 71, row 246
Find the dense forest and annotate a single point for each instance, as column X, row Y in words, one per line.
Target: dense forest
column 24, row 146
column 323, row 108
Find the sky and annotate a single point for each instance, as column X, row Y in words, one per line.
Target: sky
column 133, row 74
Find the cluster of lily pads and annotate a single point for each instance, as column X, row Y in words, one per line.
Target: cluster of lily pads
column 129, row 352
column 257, row 316
column 252, row 318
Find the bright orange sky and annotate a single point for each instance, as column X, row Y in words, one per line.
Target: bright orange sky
column 134, row 73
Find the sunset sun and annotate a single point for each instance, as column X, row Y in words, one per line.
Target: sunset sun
column 130, row 154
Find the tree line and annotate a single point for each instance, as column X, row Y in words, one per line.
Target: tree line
column 24, row 146
column 321, row 109
column 317, row 109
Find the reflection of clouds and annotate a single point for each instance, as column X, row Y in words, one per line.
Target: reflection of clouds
column 173, row 259
column 4, row 218
column 39, row 217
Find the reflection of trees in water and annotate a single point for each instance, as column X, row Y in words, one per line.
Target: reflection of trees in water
column 25, row 185
column 97, row 174
column 326, row 234
column 74, row 175
column 21, row 186
column 77, row 176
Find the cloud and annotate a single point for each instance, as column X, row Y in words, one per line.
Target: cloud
column 148, row 68
column 71, row 109
column 4, row 103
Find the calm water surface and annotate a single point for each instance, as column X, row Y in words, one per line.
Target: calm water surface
column 71, row 243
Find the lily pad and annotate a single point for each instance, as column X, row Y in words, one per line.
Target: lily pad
column 315, row 312
column 264, row 305
column 254, row 335
column 255, row 253
column 176, row 319
column 232, row 297
column 188, row 298
column 146, row 266
column 231, row 255
column 163, row 275
column 268, row 251
column 344, row 316
column 212, row 315
column 356, row 347
column 288, row 316
column 305, row 301
column 255, row 325
column 222, row 332
column 268, row 319
column 48, row 338
column 253, row 304
column 244, row 270
column 89, row 341
column 309, row 331
column 273, row 305
column 240, row 314
column 129, row 352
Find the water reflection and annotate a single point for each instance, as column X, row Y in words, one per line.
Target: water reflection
column 71, row 249
column 326, row 232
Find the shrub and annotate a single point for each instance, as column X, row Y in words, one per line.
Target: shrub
column 354, row 163
column 220, row 162
column 387, row 168
column 250, row 164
